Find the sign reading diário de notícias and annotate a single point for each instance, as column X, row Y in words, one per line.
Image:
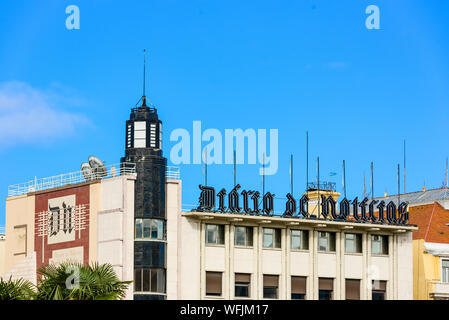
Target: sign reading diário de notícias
column 387, row 213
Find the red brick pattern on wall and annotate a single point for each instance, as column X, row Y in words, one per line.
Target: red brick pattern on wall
column 41, row 204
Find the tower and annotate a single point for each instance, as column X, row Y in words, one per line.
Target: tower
column 143, row 146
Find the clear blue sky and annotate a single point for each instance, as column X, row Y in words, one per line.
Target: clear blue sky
column 291, row 65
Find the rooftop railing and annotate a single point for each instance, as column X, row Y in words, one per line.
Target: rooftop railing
column 113, row 170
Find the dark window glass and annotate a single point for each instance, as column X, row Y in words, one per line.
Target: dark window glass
column 298, row 296
column 378, row 295
column 138, row 280
column 242, row 284
column 270, row 286
column 146, row 279
column 325, row 295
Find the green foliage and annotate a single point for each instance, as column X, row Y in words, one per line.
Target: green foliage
column 73, row 281
column 19, row 289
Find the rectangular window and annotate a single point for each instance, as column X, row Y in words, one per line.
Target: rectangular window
column 139, row 134
column 242, row 285
column 271, row 238
column 326, row 288
column 150, row 229
column 214, row 233
column 299, row 288
column 20, row 238
column 445, row 270
column 352, row 289
column 149, row 280
column 379, row 290
column 379, row 244
column 300, row 239
column 213, row 283
column 270, row 286
column 353, row 243
column 243, row 236
column 138, row 280
column 326, row 241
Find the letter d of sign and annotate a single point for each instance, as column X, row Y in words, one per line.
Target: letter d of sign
column 207, row 198
column 290, row 206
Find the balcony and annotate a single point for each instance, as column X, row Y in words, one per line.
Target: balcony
column 439, row 290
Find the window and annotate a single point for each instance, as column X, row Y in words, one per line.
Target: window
column 215, row 233
column 300, row 239
column 270, row 286
column 378, row 290
column 139, row 134
column 326, row 288
column 379, row 244
column 20, row 239
column 150, row 229
column 243, row 236
column 149, row 280
column 271, row 238
column 326, row 241
column 445, row 270
column 242, row 285
column 152, row 135
column 299, row 288
column 352, row 289
column 353, row 243
column 213, row 283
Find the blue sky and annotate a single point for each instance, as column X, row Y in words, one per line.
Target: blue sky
column 289, row 65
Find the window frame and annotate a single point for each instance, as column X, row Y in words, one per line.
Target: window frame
column 303, row 235
column 160, row 223
column 221, row 285
column 242, row 284
column 220, row 228
column 249, row 236
column 444, row 275
column 161, row 278
column 276, row 240
column 384, row 244
column 331, row 237
column 358, row 237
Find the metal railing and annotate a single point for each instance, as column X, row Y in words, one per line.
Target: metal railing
column 113, row 170
column 173, row 173
column 328, row 186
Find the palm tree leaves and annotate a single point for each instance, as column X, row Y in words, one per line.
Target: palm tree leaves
column 74, row 281
column 19, row 289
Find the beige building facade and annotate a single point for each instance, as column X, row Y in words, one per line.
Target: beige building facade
column 214, row 255
column 90, row 221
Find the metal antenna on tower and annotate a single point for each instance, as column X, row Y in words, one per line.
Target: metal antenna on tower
column 344, row 178
column 235, row 173
column 307, row 160
column 291, row 174
column 372, row 181
column 404, row 166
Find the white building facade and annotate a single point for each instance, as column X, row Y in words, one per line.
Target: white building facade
column 214, row 255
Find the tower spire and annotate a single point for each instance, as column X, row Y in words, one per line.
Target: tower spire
column 144, row 102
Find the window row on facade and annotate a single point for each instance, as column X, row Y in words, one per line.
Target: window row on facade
column 242, row 287
column 299, row 239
